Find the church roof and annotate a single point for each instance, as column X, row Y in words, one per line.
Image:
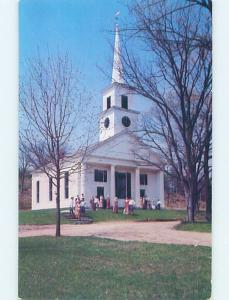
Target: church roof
column 117, row 71
column 136, row 140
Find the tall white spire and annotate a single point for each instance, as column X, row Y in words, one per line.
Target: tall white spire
column 117, row 63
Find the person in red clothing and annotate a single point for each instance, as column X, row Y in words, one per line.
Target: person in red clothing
column 126, row 207
column 108, row 202
column 77, row 210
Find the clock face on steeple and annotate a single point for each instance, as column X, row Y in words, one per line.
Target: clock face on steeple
column 119, row 102
column 106, row 122
column 126, row 121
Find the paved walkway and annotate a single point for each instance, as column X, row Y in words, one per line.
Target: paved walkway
column 154, row 232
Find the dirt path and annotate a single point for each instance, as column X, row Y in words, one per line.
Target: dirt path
column 154, row 232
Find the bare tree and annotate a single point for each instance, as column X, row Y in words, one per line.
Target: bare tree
column 174, row 71
column 203, row 3
column 23, row 169
column 207, row 158
column 161, row 133
column 206, row 42
column 54, row 112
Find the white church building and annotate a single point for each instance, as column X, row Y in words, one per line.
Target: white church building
column 111, row 166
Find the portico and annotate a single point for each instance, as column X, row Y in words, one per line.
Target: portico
column 123, row 181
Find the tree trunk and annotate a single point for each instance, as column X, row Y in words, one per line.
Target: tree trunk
column 190, row 209
column 191, row 196
column 208, row 195
column 207, row 186
column 58, row 204
column 22, row 181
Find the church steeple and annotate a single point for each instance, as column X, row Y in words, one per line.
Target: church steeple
column 117, row 70
column 118, row 102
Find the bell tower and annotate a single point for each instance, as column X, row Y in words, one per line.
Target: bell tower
column 118, row 102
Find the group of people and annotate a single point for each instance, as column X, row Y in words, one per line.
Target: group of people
column 100, row 202
column 146, row 203
column 105, row 203
column 78, row 206
column 129, row 206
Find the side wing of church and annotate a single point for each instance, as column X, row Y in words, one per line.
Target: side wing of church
column 111, row 166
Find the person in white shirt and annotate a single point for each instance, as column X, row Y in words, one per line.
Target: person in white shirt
column 96, row 202
column 131, row 206
column 153, row 204
column 83, row 205
column 158, row 206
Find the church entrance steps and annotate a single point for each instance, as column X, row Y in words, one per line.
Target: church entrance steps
column 83, row 219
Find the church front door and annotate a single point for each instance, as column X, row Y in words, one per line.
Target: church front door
column 100, row 191
column 122, row 185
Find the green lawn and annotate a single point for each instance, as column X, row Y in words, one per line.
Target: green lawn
column 40, row 217
column 199, row 226
column 93, row 268
column 47, row 216
column 139, row 215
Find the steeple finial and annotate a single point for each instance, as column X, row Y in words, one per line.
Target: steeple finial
column 117, row 64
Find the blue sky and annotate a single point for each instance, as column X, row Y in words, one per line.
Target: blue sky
column 83, row 28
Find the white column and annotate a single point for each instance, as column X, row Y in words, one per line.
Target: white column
column 78, row 182
column 137, row 185
column 161, row 188
column 83, row 180
column 112, row 183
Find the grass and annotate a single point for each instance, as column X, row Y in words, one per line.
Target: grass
column 199, row 226
column 47, row 216
column 40, row 217
column 92, row 268
column 139, row 215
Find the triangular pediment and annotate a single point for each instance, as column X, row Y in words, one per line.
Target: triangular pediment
column 125, row 146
